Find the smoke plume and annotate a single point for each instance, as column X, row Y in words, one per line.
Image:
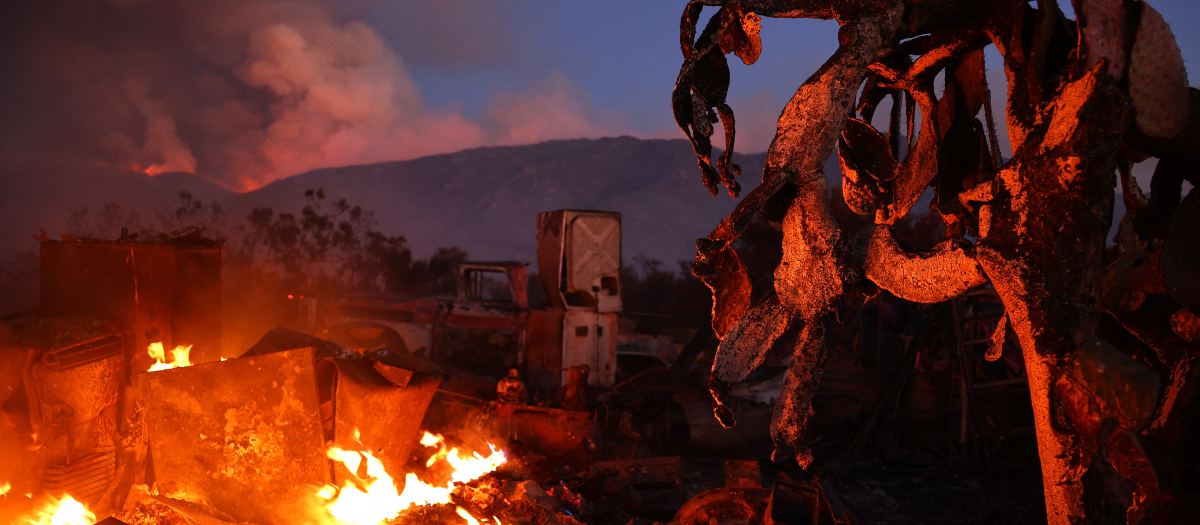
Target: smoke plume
column 248, row 92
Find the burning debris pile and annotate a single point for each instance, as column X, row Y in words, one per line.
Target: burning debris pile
column 278, row 435
column 117, row 409
column 118, row 404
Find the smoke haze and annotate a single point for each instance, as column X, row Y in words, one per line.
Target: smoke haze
column 248, row 92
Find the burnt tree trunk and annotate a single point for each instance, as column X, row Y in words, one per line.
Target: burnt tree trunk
column 1042, row 245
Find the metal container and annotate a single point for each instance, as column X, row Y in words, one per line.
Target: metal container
column 167, row 292
column 249, row 435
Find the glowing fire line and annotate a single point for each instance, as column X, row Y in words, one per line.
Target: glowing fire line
column 66, row 511
column 373, row 499
column 181, row 357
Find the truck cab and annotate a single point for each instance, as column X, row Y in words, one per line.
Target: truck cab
column 487, row 327
column 481, row 329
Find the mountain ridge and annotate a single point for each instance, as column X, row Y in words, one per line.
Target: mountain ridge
column 483, row 200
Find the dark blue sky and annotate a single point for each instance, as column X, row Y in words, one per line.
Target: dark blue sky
column 624, row 54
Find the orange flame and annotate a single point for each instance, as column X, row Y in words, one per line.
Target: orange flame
column 181, row 357
column 373, row 499
column 465, row 468
column 66, row 511
column 464, row 514
column 5, row 488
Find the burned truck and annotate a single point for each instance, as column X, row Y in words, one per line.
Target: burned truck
column 488, row 326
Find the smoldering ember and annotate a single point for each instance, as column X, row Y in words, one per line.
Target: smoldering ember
column 1022, row 352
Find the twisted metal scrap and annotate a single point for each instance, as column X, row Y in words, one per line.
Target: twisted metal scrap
column 1074, row 88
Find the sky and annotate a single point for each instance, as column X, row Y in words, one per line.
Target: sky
column 244, row 92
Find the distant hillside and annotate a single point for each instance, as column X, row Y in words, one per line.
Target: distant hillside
column 483, row 200
column 43, row 199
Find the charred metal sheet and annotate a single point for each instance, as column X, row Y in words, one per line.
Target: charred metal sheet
column 579, row 258
column 73, row 391
column 544, row 349
column 396, row 376
column 85, row 478
column 247, row 435
column 243, row 434
column 547, row 431
column 96, row 349
column 60, row 382
column 280, row 339
column 371, row 411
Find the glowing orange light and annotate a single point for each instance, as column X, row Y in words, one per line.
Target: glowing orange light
column 466, row 516
column 290, row 296
column 66, row 511
column 374, row 499
column 181, row 357
column 465, row 468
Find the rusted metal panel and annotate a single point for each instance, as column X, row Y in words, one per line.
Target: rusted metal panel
column 550, row 231
column 579, row 258
column 519, row 277
column 386, row 417
column 195, row 315
column 590, row 338
column 243, row 434
column 544, row 350
column 592, row 257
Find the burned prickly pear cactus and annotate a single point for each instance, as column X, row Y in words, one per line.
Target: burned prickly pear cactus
column 1086, row 98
